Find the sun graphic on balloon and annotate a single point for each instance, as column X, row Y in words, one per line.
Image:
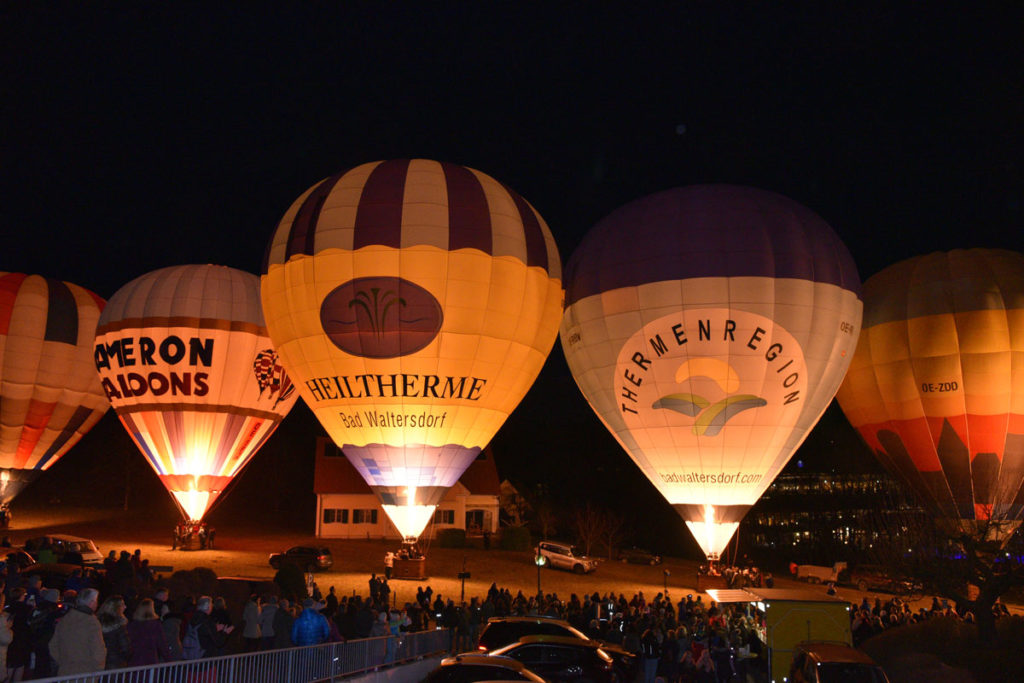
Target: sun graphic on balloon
column 711, row 417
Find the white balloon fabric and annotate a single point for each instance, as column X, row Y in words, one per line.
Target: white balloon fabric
column 709, row 327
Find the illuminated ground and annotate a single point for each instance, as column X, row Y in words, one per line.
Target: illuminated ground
column 243, row 551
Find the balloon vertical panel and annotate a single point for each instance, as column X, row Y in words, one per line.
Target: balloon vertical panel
column 416, row 301
column 937, row 385
column 709, row 328
column 49, row 395
column 185, row 359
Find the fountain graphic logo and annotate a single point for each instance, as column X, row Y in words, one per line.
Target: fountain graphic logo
column 380, row 317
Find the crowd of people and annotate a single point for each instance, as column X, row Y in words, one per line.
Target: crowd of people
column 119, row 617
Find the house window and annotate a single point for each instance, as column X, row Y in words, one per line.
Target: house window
column 444, row 516
column 364, row 516
column 335, row 516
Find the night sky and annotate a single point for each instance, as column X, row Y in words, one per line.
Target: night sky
column 158, row 134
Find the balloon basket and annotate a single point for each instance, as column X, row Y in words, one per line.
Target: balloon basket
column 412, row 569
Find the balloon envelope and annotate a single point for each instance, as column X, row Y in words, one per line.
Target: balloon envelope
column 184, row 356
column 709, row 327
column 415, row 302
column 936, row 387
column 49, row 393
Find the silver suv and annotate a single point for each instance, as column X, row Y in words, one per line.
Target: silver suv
column 562, row 556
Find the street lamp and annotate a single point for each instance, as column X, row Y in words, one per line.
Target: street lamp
column 540, row 561
column 667, row 574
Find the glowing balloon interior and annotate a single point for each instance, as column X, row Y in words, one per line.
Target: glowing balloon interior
column 709, row 327
column 184, row 356
column 936, row 387
column 49, row 393
column 415, row 303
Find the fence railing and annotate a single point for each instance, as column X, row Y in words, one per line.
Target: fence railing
column 326, row 662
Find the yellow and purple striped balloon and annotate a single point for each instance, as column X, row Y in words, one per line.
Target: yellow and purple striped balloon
column 415, row 302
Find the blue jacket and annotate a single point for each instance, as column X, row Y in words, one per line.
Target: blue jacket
column 310, row 628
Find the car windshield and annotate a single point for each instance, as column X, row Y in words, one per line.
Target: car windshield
column 849, row 672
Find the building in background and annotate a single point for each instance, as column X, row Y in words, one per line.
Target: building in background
column 346, row 508
column 823, row 517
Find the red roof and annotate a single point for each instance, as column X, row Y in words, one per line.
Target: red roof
column 335, row 474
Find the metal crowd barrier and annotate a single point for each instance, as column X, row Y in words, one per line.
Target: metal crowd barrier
column 327, row 662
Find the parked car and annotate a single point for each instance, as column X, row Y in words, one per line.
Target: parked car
column 501, row 631
column 815, row 573
column 833, row 663
column 562, row 556
column 56, row 575
column 470, row 667
column 305, row 557
column 636, row 555
column 874, row 577
column 18, row 557
column 63, row 548
column 562, row 658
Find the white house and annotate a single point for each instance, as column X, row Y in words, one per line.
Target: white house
column 346, row 508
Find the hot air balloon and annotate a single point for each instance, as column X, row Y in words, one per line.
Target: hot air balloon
column 184, row 357
column 415, row 303
column 49, row 394
column 936, row 387
column 709, row 328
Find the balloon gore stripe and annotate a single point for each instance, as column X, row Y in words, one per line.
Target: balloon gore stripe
column 379, row 214
column 469, row 218
column 62, row 314
column 536, row 249
column 300, row 240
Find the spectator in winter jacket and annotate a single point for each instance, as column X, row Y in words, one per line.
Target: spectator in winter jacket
column 115, row 631
column 19, row 651
column 310, row 628
column 146, row 636
column 172, row 625
column 213, row 634
column 41, row 627
column 6, row 635
column 283, row 621
column 77, row 643
column 267, row 617
column 251, row 623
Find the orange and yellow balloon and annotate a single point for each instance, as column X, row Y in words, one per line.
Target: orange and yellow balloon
column 936, row 387
column 184, row 357
column 414, row 302
column 49, row 393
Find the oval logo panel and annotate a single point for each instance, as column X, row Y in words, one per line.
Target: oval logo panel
column 380, row 317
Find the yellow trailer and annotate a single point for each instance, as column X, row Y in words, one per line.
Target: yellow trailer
column 790, row 616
